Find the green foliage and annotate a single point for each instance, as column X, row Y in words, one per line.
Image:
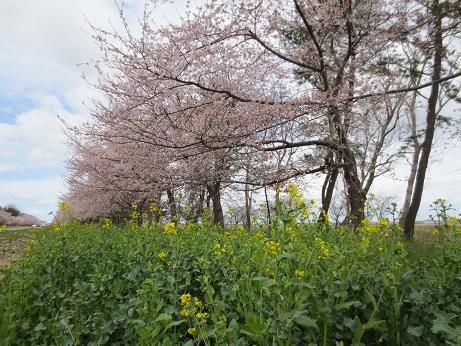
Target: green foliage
column 12, row 209
column 292, row 284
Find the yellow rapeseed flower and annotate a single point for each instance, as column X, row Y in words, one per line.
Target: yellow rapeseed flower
column 365, row 241
column 201, row 316
column 184, row 312
column 185, row 299
column 191, row 330
column 162, row 255
column 383, row 222
column 323, row 247
column 299, row 273
column 273, row 247
column 152, row 208
column 170, row 229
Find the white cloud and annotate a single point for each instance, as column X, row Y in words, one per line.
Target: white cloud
column 38, row 191
column 35, row 196
column 42, row 43
column 36, row 137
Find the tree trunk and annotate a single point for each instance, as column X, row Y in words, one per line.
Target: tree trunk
column 267, row 206
column 157, row 202
column 355, row 194
column 410, row 186
column 430, row 123
column 208, row 200
column 356, row 197
column 215, row 195
column 200, row 204
column 247, row 204
column 172, row 204
column 415, row 158
column 327, row 192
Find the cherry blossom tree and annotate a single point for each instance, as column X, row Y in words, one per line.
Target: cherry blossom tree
column 249, row 93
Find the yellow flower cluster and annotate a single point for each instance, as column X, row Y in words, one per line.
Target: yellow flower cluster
column 29, row 245
column 260, row 234
column 106, row 224
column 365, row 242
column 191, row 330
column 170, row 229
column 299, row 273
column 367, row 227
column 270, row 272
column 153, row 208
column 325, row 216
column 135, row 215
column 295, row 195
column 219, row 249
column 324, row 247
column 201, row 316
column 383, row 222
column 162, row 255
column 273, row 247
column 192, row 307
column 185, row 299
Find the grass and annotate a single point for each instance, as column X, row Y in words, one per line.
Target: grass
column 289, row 284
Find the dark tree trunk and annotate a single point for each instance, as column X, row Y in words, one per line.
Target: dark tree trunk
column 172, row 204
column 327, row 192
column 247, row 207
column 201, row 199
column 430, row 123
column 215, row 195
column 277, row 201
column 267, row 206
column 157, row 201
column 208, row 200
column 410, row 186
column 355, row 194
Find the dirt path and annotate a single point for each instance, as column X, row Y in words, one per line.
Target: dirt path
column 12, row 247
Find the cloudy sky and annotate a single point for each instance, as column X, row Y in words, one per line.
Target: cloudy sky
column 42, row 43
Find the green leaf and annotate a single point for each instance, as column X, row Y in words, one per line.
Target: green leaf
column 347, row 305
column 362, row 328
column 306, row 321
column 163, row 318
column 441, row 323
column 415, row 331
column 174, row 323
column 264, row 281
column 39, row 327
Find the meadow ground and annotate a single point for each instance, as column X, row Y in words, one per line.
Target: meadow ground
column 12, row 244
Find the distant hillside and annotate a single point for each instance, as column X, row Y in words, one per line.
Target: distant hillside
column 21, row 219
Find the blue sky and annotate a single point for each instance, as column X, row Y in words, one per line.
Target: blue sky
column 41, row 44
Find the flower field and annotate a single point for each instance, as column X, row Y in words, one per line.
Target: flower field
column 193, row 284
